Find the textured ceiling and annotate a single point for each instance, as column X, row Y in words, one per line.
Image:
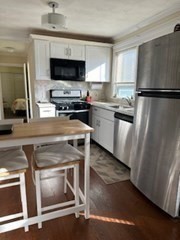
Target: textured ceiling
column 96, row 18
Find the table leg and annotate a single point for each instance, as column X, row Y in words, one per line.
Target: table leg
column 87, row 174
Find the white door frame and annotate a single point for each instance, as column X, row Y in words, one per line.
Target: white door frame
column 1, row 101
column 27, row 90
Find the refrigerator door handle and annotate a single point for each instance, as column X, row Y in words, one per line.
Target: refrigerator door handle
column 140, row 90
column 159, row 94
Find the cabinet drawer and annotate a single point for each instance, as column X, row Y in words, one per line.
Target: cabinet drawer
column 47, row 112
column 107, row 114
column 96, row 111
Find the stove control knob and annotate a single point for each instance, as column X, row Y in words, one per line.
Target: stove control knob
column 67, row 107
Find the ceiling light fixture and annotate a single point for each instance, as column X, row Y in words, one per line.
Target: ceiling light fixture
column 53, row 21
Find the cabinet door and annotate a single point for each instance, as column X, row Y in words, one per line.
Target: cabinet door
column 46, row 112
column 42, row 63
column 106, row 134
column 95, row 125
column 98, row 64
column 58, row 50
column 76, row 52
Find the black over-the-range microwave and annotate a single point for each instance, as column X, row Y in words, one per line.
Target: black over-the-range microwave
column 66, row 69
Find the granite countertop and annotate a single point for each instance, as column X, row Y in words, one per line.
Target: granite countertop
column 115, row 107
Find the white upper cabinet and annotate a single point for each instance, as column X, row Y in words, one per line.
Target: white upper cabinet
column 67, row 51
column 58, row 50
column 42, row 62
column 98, row 64
column 97, row 57
column 76, row 52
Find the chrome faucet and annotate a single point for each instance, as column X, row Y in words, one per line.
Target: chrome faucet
column 128, row 100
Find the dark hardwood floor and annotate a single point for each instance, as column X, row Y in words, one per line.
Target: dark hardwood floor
column 118, row 212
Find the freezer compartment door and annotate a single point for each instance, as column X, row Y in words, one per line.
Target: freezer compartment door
column 159, row 63
column 155, row 158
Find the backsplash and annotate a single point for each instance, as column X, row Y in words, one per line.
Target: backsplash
column 42, row 89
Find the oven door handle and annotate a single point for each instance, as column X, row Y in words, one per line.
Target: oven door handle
column 72, row 111
column 79, row 111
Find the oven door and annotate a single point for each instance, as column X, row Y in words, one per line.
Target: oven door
column 82, row 115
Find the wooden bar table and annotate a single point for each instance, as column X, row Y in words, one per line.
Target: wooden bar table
column 51, row 131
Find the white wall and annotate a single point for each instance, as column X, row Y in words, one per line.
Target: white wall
column 161, row 28
column 12, row 60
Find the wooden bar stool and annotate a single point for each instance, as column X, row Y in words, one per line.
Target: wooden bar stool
column 54, row 158
column 13, row 165
column 45, row 119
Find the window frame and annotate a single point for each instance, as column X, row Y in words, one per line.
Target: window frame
column 123, row 83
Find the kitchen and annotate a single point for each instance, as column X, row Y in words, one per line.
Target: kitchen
column 130, row 214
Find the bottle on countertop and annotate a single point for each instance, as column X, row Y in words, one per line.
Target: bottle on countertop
column 88, row 97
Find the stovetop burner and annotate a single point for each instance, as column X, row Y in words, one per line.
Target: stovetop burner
column 72, row 102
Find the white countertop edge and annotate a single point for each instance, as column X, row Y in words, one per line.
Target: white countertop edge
column 108, row 106
column 41, row 105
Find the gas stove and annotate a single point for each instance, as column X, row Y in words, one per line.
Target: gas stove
column 67, row 100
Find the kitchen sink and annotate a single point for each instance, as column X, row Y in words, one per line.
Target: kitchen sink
column 128, row 108
column 116, row 106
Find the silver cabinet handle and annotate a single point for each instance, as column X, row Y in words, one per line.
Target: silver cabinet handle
column 69, row 52
column 66, row 51
column 46, row 110
column 98, row 123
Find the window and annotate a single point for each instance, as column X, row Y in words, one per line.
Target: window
column 125, row 73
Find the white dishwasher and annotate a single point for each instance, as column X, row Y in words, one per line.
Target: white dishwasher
column 123, row 125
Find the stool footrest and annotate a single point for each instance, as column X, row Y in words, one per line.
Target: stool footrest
column 9, row 184
column 60, row 205
column 10, row 217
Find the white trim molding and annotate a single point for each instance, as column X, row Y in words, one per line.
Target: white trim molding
column 68, row 40
column 145, row 32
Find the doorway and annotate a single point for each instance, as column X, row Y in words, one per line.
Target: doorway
column 13, row 92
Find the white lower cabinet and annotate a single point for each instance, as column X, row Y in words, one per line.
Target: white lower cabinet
column 46, row 110
column 103, row 124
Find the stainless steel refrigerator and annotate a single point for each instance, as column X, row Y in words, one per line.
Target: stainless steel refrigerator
column 155, row 155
